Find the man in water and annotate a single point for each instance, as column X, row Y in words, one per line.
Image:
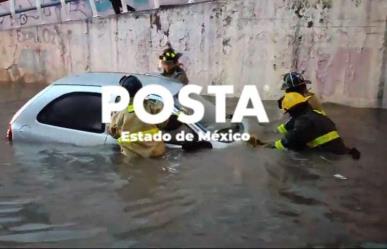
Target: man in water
column 308, row 129
column 127, row 121
column 295, row 82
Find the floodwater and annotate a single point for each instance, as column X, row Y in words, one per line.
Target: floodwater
column 64, row 196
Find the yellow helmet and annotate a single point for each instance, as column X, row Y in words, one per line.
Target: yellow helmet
column 292, row 99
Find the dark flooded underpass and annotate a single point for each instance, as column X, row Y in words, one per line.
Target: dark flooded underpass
column 66, row 196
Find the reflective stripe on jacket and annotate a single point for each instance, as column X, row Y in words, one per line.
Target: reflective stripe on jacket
column 127, row 121
column 283, row 128
column 309, row 130
column 326, row 138
column 330, row 136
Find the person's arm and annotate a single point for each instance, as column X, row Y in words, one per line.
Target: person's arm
column 296, row 138
column 285, row 127
column 182, row 77
column 114, row 127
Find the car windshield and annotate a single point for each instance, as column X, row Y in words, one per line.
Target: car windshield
column 209, row 120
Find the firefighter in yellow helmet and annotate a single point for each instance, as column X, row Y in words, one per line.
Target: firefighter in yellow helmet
column 309, row 129
column 295, row 82
column 169, row 62
column 127, row 121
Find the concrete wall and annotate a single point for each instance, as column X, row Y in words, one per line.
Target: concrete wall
column 74, row 11
column 77, row 10
column 340, row 45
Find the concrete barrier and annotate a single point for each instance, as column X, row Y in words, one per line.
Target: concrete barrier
column 340, row 45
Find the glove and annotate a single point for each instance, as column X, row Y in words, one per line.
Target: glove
column 355, row 154
column 253, row 141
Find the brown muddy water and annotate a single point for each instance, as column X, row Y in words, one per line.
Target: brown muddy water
column 64, row 196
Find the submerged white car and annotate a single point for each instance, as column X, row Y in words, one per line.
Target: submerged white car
column 69, row 111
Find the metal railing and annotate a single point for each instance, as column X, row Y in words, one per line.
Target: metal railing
column 39, row 6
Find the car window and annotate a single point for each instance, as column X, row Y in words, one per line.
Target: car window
column 77, row 110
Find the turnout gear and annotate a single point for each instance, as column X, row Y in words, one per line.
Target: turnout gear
column 171, row 59
column 283, row 128
column 291, row 100
column 310, row 129
column 127, row 121
column 177, row 73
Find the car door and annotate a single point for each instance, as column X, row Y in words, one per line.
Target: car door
column 67, row 114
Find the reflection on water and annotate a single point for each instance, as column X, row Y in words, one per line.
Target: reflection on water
column 57, row 195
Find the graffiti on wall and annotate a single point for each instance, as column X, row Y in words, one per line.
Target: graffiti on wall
column 44, row 35
column 77, row 10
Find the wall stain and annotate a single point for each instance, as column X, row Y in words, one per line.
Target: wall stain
column 155, row 20
column 226, row 45
column 357, row 2
column 381, row 98
column 227, row 20
column 326, row 4
column 300, row 6
column 226, row 42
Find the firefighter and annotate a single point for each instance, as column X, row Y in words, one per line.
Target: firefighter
column 127, row 121
column 295, row 82
column 309, row 130
column 169, row 62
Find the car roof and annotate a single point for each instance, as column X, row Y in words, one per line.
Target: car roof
column 113, row 78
